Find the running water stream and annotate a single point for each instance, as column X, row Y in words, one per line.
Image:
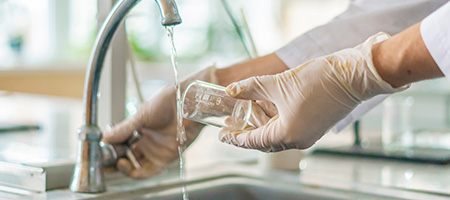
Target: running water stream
column 181, row 133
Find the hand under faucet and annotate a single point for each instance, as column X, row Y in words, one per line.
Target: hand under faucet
column 156, row 122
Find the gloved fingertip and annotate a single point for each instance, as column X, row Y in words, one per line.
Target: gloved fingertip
column 228, row 121
column 147, row 170
column 140, row 174
column 107, row 134
column 108, row 127
column 236, row 138
column 124, row 166
column 224, row 134
column 110, row 137
column 120, row 132
column 234, row 89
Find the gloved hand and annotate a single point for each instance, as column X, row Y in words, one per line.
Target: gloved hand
column 157, row 123
column 310, row 98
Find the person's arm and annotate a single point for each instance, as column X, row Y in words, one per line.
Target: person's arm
column 322, row 40
column 418, row 53
column 404, row 59
column 265, row 65
column 362, row 19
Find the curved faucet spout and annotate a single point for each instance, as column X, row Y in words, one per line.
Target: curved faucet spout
column 88, row 174
column 169, row 16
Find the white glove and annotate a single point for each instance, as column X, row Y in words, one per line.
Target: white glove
column 310, row 98
column 157, row 123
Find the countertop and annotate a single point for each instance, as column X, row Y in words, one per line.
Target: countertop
column 207, row 156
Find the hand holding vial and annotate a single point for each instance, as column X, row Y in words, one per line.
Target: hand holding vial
column 209, row 104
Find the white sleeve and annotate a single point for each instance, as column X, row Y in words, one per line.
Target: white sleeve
column 435, row 31
column 362, row 19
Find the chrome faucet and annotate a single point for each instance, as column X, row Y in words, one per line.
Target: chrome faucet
column 88, row 176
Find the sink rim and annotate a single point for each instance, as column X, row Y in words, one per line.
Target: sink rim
column 205, row 183
column 122, row 186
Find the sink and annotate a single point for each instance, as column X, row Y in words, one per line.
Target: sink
column 243, row 188
column 238, row 181
column 240, row 187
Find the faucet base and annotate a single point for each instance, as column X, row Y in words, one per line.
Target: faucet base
column 88, row 176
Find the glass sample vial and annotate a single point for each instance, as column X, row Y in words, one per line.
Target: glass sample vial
column 209, row 104
column 396, row 122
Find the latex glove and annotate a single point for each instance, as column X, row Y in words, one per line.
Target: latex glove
column 157, row 123
column 262, row 112
column 310, row 98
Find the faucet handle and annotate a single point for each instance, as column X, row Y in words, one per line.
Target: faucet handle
column 135, row 137
column 113, row 152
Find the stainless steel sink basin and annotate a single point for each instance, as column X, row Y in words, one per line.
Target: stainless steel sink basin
column 240, row 187
column 239, row 181
column 243, row 188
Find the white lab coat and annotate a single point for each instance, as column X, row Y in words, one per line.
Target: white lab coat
column 435, row 31
column 362, row 19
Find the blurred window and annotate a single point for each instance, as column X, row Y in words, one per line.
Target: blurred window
column 39, row 32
